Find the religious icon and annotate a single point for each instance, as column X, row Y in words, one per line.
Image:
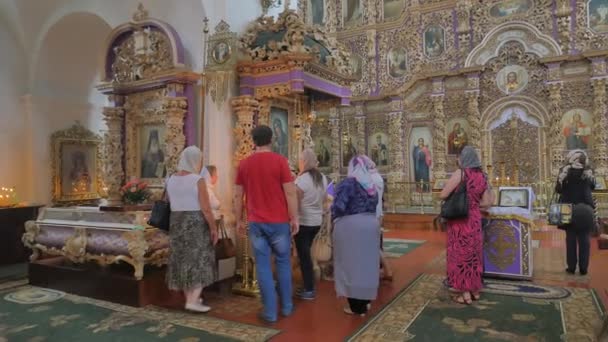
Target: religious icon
column 513, row 197
column 355, row 63
column 153, row 157
column 397, row 62
column 221, row 52
column 434, row 41
column 512, row 79
column 458, row 137
column 317, row 8
column 79, row 175
column 421, row 157
column 352, row 10
column 378, row 150
column 280, row 138
column 393, row 8
column 348, row 152
column 78, row 168
column 510, row 7
column 598, row 15
column 577, row 129
column 322, row 151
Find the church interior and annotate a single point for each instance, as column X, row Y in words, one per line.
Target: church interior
column 98, row 99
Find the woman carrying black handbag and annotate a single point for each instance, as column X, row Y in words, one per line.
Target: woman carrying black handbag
column 465, row 193
column 575, row 184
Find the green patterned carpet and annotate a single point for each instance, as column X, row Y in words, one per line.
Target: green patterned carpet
column 35, row 314
column 508, row 311
column 395, row 248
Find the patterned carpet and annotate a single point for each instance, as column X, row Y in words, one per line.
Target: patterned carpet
column 508, row 311
column 35, row 314
column 395, row 248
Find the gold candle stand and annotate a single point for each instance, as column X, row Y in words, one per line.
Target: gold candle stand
column 249, row 283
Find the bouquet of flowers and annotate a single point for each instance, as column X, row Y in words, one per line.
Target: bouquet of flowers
column 135, row 192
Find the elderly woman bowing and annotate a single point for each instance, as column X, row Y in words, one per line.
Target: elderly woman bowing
column 356, row 237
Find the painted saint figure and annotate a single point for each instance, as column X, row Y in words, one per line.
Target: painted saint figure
column 456, row 139
column 422, row 165
column 323, row 154
column 380, row 152
column 577, row 133
column 153, row 161
column 279, row 138
column 79, row 175
column 512, row 82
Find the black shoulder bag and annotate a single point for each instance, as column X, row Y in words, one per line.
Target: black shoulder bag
column 161, row 213
column 457, row 204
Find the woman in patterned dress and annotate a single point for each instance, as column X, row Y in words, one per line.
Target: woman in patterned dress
column 192, row 231
column 465, row 241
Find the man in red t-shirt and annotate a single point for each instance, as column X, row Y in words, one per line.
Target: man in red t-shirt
column 272, row 212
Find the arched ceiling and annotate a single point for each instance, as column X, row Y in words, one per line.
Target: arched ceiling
column 68, row 60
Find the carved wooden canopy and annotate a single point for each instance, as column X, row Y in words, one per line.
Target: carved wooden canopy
column 287, row 56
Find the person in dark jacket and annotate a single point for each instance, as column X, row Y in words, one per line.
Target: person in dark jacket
column 575, row 183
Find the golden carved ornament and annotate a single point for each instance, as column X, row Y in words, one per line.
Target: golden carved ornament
column 336, row 141
column 76, row 245
column 439, row 138
column 113, row 153
column 29, row 238
column 143, row 54
column 244, row 108
column 84, row 188
column 474, row 118
column 338, row 59
column 138, row 247
column 600, row 123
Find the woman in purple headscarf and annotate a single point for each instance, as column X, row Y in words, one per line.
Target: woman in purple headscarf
column 356, row 237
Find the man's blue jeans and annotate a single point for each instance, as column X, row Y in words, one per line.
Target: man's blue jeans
column 267, row 239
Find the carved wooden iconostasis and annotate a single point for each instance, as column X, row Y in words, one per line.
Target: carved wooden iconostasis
column 522, row 81
column 151, row 113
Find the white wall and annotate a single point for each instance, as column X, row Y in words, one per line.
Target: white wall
column 13, row 71
column 63, row 43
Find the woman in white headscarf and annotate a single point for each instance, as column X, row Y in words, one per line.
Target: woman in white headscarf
column 356, row 237
column 575, row 183
column 192, row 231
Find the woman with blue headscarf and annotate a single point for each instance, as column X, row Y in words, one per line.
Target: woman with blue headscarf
column 356, row 237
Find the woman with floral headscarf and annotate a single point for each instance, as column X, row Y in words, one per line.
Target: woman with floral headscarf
column 356, row 237
column 575, row 183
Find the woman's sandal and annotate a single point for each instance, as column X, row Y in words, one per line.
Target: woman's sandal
column 475, row 296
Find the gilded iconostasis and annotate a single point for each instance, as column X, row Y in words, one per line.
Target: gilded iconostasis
column 524, row 81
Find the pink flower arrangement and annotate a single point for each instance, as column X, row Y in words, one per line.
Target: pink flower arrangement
column 135, row 192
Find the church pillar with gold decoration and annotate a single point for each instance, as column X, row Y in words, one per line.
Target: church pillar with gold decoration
column 113, row 149
column 359, row 129
column 396, row 176
column 336, row 140
column 176, row 107
column 555, row 138
column 439, row 133
column 600, row 122
column 244, row 108
column 564, row 18
column 473, row 114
